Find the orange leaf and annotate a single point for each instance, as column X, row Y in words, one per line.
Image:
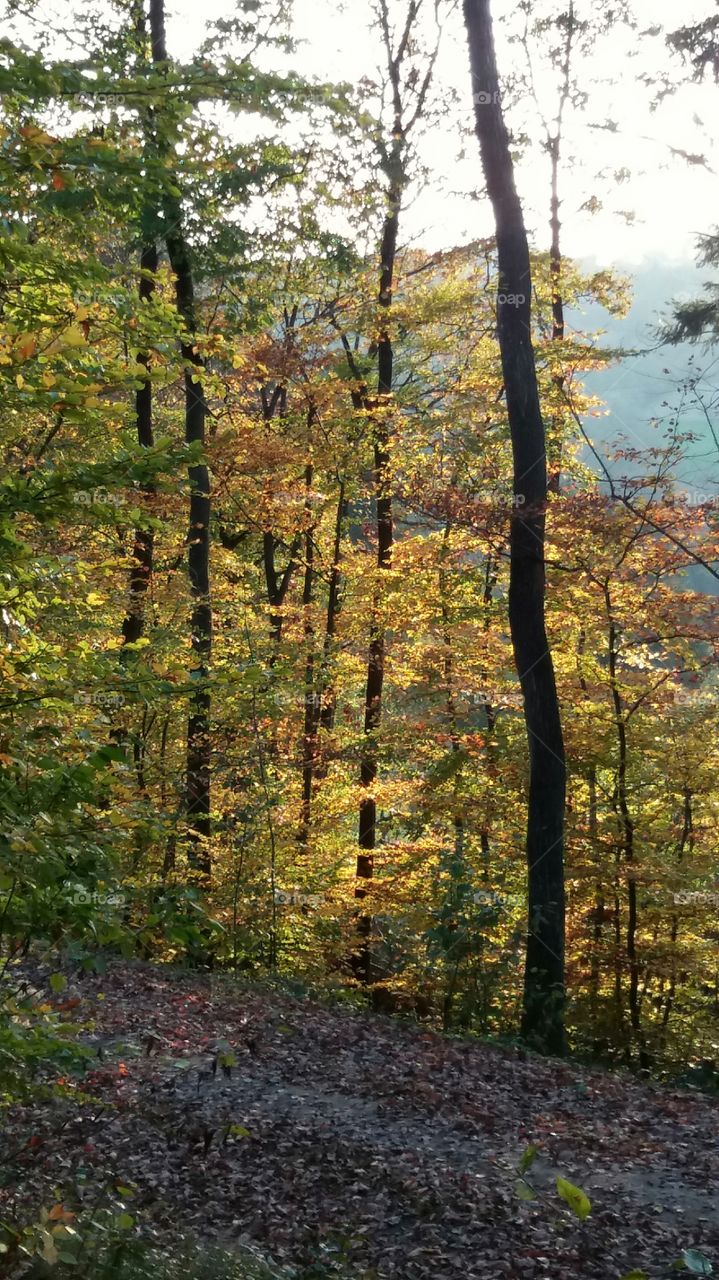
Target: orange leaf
column 59, row 1213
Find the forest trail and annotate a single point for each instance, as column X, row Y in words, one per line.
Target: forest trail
column 343, row 1139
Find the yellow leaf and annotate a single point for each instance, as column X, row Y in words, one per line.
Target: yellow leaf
column 26, row 346
column 20, row 381
column 73, row 337
column 94, row 599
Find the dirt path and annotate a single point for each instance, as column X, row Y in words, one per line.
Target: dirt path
column 341, row 1140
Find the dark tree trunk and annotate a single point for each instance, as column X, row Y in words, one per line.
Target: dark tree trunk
column 626, row 824
column 327, row 711
column 197, row 786
column 367, row 835
column 143, row 546
column 277, row 585
column 450, row 700
column 554, row 145
column 686, row 838
column 555, row 270
column 309, row 729
column 543, row 1004
column 596, row 859
column 490, row 713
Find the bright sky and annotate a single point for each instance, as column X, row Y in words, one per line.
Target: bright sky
column 652, row 202
column 669, row 201
column 672, row 201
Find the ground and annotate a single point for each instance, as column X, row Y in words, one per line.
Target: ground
column 336, row 1139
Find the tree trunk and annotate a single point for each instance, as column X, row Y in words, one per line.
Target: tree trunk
column 490, row 713
column 309, row 729
column 626, row 823
column 367, row 836
column 328, row 698
column 543, row 1004
column 686, row 838
column 143, row 545
column 554, row 144
column 144, row 541
column 450, row 700
column 197, row 785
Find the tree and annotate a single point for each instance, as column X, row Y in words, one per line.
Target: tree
column 543, row 1008
column 408, row 84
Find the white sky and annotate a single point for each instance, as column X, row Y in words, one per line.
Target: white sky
column 672, row 201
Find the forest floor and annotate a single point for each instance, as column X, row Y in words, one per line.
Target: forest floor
column 346, row 1139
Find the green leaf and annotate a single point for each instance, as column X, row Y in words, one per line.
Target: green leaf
column 239, row 1131
column 102, row 758
column 528, row 1157
column 58, row 981
column 125, row 1221
column 580, row 1204
column 635, row 1275
column 524, row 1191
column 696, row 1262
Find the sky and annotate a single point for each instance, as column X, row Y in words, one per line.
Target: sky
column 650, row 203
column 671, row 201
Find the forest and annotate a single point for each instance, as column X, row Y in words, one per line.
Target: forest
column 355, row 658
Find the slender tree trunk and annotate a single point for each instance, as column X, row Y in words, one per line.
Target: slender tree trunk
column 595, row 968
column 617, row 929
column 197, row 786
column 448, row 674
column 328, row 698
column 143, row 547
column 686, row 838
column 543, row 1003
column 367, row 836
column 555, row 271
column 309, row 730
column 627, row 835
column 599, row 904
column 277, row 585
column 490, row 712
column 554, row 144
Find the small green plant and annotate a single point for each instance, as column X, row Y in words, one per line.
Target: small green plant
column 36, row 1041
column 107, row 1245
